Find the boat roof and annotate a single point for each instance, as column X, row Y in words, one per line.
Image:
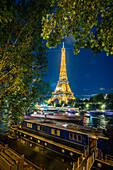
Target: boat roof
column 89, row 131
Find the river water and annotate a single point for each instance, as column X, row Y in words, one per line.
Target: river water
column 100, row 121
column 40, row 156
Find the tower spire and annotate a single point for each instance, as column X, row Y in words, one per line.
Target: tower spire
column 63, row 44
column 63, row 72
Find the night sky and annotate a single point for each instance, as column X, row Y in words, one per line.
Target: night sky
column 88, row 74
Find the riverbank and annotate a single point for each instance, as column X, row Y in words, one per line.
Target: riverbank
column 11, row 159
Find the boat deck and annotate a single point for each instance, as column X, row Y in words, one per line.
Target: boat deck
column 90, row 131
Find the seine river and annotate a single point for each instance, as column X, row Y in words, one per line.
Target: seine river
column 44, row 158
column 99, row 121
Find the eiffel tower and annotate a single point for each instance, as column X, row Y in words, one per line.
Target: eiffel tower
column 62, row 91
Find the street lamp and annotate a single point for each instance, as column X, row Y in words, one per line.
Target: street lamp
column 87, row 106
column 103, row 106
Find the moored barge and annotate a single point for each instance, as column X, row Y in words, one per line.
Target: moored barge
column 72, row 140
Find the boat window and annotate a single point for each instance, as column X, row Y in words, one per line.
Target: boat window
column 70, row 136
column 38, row 127
column 29, row 125
column 55, row 132
column 75, row 137
column 52, row 131
column 41, row 128
column 58, row 132
column 79, row 138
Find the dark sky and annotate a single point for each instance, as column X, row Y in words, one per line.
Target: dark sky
column 88, row 74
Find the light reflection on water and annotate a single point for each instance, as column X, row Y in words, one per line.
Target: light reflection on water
column 99, row 121
column 94, row 120
column 44, row 158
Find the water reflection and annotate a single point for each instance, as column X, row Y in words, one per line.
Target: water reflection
column 4, row 129
column 44, row 158
column 86, row 121
column 99, row 121
column 102, row 121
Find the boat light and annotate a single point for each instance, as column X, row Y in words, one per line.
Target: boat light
column 93, row 136
column 65, row 125
column 71, row 154
column 45, row 144
column 69, row 114
column 63, row 150
column 62, row 160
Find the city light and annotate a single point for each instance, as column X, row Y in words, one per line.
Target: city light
column 103, row 106
column 87, row 105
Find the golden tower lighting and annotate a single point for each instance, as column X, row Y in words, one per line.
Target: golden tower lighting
column 62, row 91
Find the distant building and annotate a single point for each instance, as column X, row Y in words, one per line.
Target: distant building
column 105, row 97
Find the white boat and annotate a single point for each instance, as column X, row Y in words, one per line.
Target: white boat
column 66, row 116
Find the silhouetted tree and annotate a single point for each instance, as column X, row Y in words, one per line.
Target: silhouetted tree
column 23, row 60
column 90, row 23
column 98, row 98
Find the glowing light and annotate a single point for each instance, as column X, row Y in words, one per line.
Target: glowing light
column 71, row 154
column 87, row 105
column 65, row 125
column 45, row 144
column 63, row 150
column 38, row 141
column 30, row 144
column 103, row 106
column 58, row 88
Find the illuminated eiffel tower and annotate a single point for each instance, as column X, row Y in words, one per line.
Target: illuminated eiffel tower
column 62, row 91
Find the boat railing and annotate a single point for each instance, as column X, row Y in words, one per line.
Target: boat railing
column 84, row 163
column 77, row 164
column 104, row 158
column 89, row 162
column 109, row 159
column 86, row 151
column 99, row 154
